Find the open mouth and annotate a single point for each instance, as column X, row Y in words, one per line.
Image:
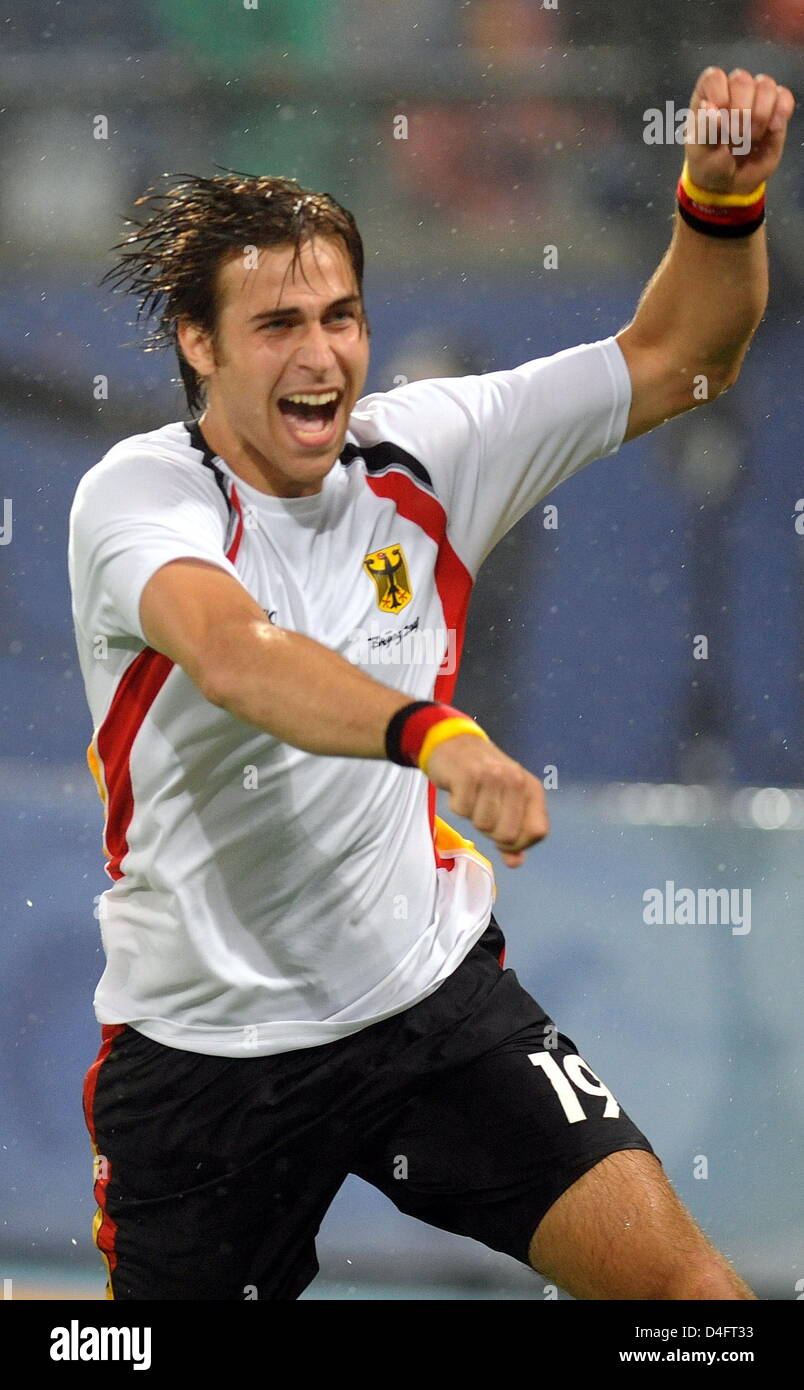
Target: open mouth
column 310, row 415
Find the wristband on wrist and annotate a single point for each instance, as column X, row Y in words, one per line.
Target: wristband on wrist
column 417, row 729
column 719, row 214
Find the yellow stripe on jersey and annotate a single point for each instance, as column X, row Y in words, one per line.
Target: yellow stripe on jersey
column 448, row 841
column 93, row 759
column 95, row 769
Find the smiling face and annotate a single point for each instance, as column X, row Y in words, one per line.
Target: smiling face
column 286, row 365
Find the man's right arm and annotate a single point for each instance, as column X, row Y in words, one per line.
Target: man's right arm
column 307, row 695
column 287, row 684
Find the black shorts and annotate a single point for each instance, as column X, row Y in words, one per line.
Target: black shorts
column 469, row 1110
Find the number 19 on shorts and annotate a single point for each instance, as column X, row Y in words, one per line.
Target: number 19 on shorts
column 571, row 1076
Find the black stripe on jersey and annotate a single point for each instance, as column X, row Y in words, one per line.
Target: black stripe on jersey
column 379, row 458
column 208, row 459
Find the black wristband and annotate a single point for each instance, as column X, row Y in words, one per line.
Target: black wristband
column 721, row 230
column 393, row 734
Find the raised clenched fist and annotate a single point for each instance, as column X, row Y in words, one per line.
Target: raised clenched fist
column 736, row 112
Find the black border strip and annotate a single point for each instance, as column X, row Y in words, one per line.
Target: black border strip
column 384, row 455
column 199, row 442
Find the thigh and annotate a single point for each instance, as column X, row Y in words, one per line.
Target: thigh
column 621, row 1232
column 200, row 1196
column 486, row 1150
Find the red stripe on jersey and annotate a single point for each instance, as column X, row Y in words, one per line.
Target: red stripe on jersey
column 132, row 700
column 231, row 553
column 104, row 1227
column 453, row 582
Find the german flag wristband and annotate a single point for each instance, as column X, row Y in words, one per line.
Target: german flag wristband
column 417, row 729
column 719, row 214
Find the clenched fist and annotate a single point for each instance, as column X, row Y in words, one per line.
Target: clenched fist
column 499, row 796
column 752, row 114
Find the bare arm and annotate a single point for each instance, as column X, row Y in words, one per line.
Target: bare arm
column 695, row 320
column 701, row 308
column 309, row 696
column 283, row 682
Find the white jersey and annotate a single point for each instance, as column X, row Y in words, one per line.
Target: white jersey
column 263, row 898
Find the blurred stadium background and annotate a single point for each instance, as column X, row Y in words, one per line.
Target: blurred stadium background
column 524, row 129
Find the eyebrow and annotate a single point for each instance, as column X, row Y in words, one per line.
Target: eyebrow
column 291, row 310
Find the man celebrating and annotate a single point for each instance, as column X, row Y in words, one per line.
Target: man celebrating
column 304, row 976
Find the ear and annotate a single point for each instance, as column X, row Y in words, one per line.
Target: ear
column 196, row 346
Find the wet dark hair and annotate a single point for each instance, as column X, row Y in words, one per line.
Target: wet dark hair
column 171, row 261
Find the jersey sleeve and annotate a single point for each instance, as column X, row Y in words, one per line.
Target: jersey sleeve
column 494, row 445
column 131, row 515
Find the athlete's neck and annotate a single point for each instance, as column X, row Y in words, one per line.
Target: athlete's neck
column 247, row 462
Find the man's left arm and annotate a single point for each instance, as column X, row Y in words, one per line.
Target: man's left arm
column 697, row 315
